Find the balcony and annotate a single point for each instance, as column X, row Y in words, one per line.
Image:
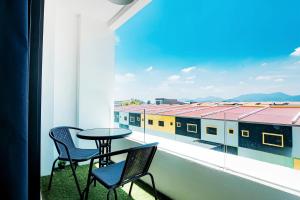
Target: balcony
column 203, row 151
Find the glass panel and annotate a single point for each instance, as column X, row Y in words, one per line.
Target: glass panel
column 218, row 112
column 267, row 151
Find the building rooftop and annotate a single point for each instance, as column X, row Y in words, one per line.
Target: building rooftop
column 178, row 111
column 274, row 115
column 205, row 111
column 236, row 113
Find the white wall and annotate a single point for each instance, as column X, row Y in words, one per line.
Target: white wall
column 232, row 139
column 219, row 124
column 122, row 117
column 96, row 75
column 65, row 92
column 78, row 73
column 183, row 179
column 47, row 107
column 222, row 128
column 296, row 142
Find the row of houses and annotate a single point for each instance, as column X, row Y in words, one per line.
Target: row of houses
column 265, row 132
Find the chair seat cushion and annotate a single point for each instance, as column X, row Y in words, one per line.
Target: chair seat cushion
column 109, row 176
column 79, row 154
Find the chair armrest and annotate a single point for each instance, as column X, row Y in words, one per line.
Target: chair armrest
column 64, row 145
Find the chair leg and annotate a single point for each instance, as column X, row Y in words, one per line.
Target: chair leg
column 76, row 180
column 115, row 193
column 108, row 194
column 50, row 181
column 86, row 190
column 153, row 185
column 76, row 165
column 130, row 189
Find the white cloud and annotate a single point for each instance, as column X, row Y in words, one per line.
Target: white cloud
column 296, row 52
column 263, row 64
column 149, row 69
column 188, row 69
column 279, row 80
column 270, row 78
column 173, row 78
column 241, row 82
column 190, row 78
column 263, row 78
column 127, row 77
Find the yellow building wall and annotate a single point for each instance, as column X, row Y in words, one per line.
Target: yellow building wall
column 297, row 163
column 169, row 123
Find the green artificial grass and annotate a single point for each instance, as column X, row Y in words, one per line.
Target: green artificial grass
column 64, row 187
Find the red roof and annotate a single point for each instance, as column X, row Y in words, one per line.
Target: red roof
column 274, row 115
column 203, row 112
column 233, row 114
column 159, row 110
column 183, row 110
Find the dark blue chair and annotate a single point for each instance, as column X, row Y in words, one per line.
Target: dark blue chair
column 135, row 166
column 68, row 151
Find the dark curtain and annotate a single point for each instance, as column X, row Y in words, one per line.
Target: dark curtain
column 14, row 98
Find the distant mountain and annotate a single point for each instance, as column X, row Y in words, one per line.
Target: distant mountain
column 254, row 97
column 261, row 97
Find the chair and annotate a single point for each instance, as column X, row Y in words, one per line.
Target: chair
column 68, row 151
column 135, row 166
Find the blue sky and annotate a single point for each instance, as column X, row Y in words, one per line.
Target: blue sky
column 198, row 48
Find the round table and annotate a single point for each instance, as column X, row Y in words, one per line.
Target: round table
column 103, row 137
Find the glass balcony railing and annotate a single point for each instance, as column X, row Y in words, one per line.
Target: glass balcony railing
column 258, row 142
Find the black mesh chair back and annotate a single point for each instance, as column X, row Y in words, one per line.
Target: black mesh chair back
column 135, row 166
column 63, row 135
column 68, row 152
column 138, row 161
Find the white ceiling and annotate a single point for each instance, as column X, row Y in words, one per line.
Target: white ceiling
column 100, row 9
column 113, row 14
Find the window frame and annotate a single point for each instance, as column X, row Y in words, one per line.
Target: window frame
column 163, row 123
column 150, row 120
column 273, row 134
column 231, row 129
column 130, row 119
column 245, row 131
column 207, row 127
column 190, row 124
